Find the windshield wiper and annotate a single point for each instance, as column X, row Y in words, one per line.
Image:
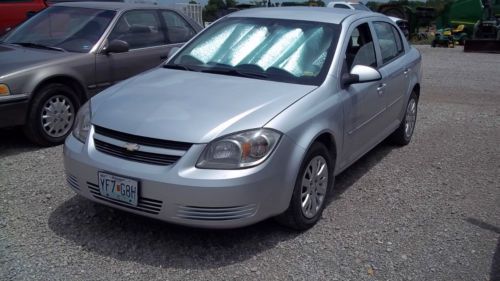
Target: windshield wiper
column 179, row 66
column 40, row 46
column 235, row 72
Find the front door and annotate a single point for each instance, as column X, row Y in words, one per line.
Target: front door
column 364, row 105
column 144, row 32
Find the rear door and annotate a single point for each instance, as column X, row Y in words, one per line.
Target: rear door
column 394, row 69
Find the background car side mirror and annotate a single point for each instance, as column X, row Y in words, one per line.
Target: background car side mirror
column 117, row 46
column 361, row 74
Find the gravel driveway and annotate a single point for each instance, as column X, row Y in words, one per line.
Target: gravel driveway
column 428, row 211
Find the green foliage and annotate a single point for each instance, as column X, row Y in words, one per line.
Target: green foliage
column 314, row 3
column 213, row 8
column 373, row 5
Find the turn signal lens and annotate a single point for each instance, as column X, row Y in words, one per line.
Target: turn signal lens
column 4, row 90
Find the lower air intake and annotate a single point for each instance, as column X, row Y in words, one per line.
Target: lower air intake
column 216, row 213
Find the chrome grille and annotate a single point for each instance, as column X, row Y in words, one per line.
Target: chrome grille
column 149, row 150
column 216, row 213
column 142, row 140
column 72, row 181
column 147, row 205
column 138, row 156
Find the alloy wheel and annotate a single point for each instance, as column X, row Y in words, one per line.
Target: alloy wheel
column 411, row 118
column 314, row 186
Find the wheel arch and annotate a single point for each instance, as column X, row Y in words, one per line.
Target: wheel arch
column 416, row 89
column 67, row 80
column 328, row 139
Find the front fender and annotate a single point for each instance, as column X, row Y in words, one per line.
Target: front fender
column 317, row 113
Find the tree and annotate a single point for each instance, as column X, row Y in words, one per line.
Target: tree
column 215, row 8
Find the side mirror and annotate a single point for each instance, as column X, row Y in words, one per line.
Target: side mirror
column 117, row 46
column 172, row 51
column 361, row 74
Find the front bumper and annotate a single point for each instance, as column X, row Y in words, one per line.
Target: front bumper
column 13, row 110
column 183, row 194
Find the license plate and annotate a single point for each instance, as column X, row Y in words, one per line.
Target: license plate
column 119, row 188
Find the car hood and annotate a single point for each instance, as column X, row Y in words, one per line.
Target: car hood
column 191, row 106
column 16, row 58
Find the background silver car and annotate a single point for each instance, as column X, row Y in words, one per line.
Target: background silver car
column 251, row 119
column 55, row 61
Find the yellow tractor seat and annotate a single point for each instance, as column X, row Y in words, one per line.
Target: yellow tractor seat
column 460, row 28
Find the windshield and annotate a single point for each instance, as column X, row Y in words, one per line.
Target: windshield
column 279, row 50
column 65, row 28
column 360, row 7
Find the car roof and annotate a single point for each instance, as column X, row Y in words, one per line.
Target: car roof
column 115, row 6
column 319, row 14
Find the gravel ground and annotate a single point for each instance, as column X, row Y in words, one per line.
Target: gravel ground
column 428, row 211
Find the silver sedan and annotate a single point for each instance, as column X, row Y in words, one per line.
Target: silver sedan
column 251, row 119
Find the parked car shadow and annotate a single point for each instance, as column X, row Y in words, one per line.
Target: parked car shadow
column 13, row 141
column 495, row 263
column 352, row 174
column 125, row 236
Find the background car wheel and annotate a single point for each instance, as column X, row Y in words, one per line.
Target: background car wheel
column 402, row 135
column 52, row 114
column 311, row 189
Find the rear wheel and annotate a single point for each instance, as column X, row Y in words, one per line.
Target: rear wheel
column 402, row 135
column 311, row 189
column 52, row 114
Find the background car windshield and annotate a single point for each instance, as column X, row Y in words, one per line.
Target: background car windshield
column 70, row 28
column 279, row 50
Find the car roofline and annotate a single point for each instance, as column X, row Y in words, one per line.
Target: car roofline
column 112, row 6
column 321, row 14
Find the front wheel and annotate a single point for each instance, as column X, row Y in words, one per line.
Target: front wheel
column 52, row 114
column 402, row 135
column 311, row 188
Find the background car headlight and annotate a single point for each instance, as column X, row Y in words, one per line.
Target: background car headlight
column 82, row 123
column 240, row 150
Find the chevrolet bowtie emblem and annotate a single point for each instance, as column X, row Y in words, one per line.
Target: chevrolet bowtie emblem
column 132, row 146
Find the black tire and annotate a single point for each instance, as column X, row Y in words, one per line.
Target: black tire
column 400, row 136
column 34, row 130
column 294, row 216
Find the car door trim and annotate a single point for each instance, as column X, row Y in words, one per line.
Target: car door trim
column 366, row 122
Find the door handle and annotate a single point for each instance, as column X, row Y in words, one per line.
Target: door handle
column 380, row 88
column 406, row 71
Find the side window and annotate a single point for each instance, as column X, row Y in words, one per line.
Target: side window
column 391, row 45
column 139, row 29
column 178, row 30
column 341, row 6
column 360, row 49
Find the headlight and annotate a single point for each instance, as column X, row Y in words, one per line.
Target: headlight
column 82, row 123
column 4, row 90
column 240, row 150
